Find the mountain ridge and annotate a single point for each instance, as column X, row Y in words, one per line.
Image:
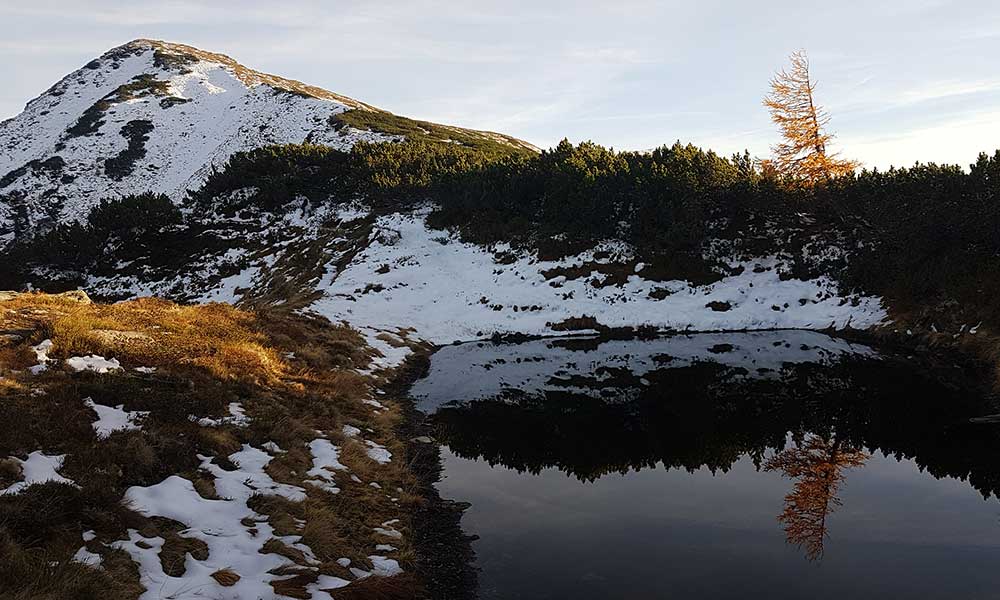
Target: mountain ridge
column 156, row 116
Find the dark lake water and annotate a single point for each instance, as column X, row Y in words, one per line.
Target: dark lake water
column 760, row 465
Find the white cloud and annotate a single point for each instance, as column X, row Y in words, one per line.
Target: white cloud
column 937, row 90
column 900, row 81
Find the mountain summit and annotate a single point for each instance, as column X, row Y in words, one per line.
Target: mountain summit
column 157, row 116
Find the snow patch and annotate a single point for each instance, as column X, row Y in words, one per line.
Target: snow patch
column 219, row 524
column 384, row 567
column 111, row 419
column 352, row 211
column 87, row 557
column 326, row 459
column 41, row 350
column 237, row 417
column 93, row 362
column 388, row 531
column 378, row 453
column 38, row 468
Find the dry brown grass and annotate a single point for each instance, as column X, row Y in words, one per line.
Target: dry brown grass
column 33, row 574
column 174, row 552
column 292, row 375
column 10, row 472
column 222, row 441
column 400, row 587
column 946, row 330
column 226, row 577
column 17, row 357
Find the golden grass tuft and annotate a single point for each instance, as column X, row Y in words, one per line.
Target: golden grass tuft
column 17, row 357
column 240, row 361
column 226, row 577
column 173, row 553
column 400, row 587
column 10, row 472
column 223, row 341
column 11, row 386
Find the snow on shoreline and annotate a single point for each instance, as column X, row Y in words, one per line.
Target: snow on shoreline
column 449, row 290
column 483, row 370
column 218, row 523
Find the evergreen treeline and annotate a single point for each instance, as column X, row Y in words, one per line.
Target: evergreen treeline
column 116, row 232
column 922, row 236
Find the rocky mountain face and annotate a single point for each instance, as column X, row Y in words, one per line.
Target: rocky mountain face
column 152, row 116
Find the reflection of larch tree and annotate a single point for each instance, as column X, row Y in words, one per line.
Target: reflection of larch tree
column 817, row 465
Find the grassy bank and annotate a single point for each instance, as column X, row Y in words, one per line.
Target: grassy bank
column 961, row 338
column 192, row 387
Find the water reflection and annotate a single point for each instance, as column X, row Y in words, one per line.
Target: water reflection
column 809, row 414
column 817, row 465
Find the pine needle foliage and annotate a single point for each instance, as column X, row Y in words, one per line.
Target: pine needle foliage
column 803, row 154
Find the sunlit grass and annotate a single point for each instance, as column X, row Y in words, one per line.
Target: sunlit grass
column 295, row 378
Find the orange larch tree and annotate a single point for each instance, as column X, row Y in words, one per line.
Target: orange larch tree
column 803, row 153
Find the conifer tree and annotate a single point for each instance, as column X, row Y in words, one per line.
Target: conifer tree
column 803, row 153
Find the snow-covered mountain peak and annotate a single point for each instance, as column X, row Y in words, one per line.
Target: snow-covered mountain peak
column 179, row 56
column 153, row 116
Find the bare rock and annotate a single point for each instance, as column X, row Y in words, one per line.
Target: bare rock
column 74, row 295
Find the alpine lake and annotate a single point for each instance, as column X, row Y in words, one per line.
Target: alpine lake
column 780, row 464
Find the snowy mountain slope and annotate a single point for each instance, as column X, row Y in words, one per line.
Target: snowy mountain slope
column 155, row 116
column 397, row 280
column 409, row 275
column 384, row 272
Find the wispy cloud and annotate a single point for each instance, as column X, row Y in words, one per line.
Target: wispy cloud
column 910, row 78
column 939, row 90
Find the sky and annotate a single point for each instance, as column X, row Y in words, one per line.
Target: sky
column 904, row 80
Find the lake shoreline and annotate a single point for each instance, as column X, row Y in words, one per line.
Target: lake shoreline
column 978, row 356
column 444, row 562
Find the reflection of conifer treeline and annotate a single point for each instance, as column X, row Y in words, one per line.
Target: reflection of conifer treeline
column 707, row 415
